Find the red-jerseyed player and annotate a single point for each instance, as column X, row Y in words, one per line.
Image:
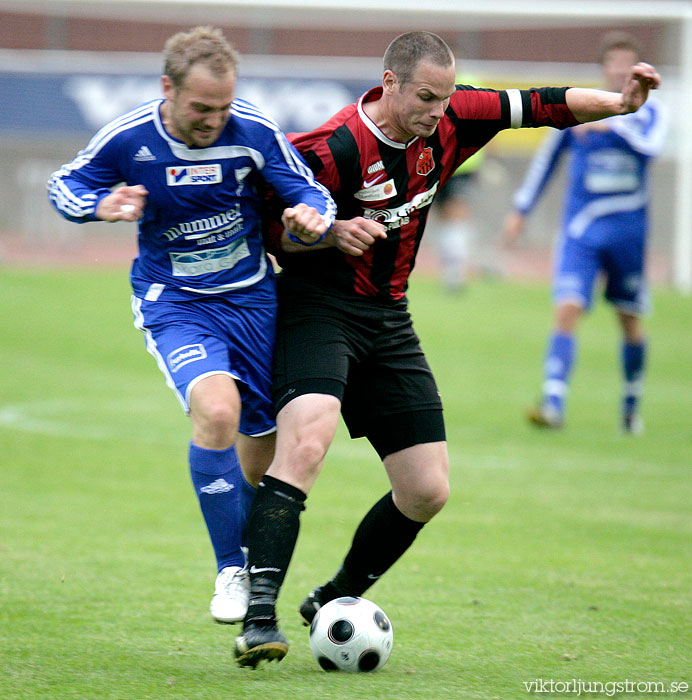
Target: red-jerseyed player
column 345, row 339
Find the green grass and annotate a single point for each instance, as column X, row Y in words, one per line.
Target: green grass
column 559, row 556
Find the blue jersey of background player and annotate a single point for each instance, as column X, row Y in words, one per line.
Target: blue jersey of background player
column 194, row 165
column 604, row 230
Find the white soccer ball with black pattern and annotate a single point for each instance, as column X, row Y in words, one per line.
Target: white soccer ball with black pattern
column 351, row 634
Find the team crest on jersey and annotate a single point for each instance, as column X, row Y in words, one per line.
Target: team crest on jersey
column 425, row 161
column 193, row 175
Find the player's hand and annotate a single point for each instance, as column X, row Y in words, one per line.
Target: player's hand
column 124, row 204
column 641, row 79
column 304, row 222
column 512, row 228
column 355, row 236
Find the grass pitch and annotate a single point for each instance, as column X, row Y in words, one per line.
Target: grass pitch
column 561, row 557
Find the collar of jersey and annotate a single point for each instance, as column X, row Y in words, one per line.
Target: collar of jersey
column 367, row 97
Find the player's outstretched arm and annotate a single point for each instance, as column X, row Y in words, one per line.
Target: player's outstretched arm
column 124, row 204
column 589, row 105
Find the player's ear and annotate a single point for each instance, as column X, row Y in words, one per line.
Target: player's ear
column 167, row 87
column 389, row 82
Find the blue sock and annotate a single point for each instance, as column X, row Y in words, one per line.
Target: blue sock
column 224, row 497
column 633, row 357
column 558, row 365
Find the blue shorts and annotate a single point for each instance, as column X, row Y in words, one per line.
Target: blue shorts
column 194, row 339
column 620, row 259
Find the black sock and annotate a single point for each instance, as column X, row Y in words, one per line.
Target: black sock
column 383, row 535
column 272, row 533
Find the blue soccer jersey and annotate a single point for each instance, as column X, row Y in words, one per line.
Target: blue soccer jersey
column 200, row 232
column 604, row 222
column 607, row 172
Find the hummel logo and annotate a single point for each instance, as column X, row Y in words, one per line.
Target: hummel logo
column 259, row 570
column 144, row 154
column 218, row 486
column 370, row 183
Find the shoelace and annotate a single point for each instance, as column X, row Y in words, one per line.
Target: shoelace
column 233, row 582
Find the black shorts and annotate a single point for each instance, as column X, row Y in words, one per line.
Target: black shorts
column 363, row 352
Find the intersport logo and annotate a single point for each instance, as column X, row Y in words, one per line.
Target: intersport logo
column 193, row 175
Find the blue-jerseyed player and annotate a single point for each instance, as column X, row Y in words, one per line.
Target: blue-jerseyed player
column 604, row 231
column 194, row 166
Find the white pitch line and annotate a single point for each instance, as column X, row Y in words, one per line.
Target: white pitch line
column 65, row 418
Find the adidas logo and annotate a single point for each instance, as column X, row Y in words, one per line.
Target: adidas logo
column 144, row 154
column 218, row 486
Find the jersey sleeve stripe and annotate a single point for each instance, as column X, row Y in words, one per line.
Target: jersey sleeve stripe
column 81, row 206
column 297, row 166
column 244, row 110
column 98, row 142
column 66, row 201
column 132, row 119
column 516, row 108
column 539, row 171
column 649, row 140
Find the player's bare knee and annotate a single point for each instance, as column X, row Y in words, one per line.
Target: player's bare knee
column 433, row 501
column 221, row 418
column 423, row 503
column 216, row 425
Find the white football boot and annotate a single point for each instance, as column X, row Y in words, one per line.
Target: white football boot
column 632, row 424
column 545, row 415
column 231, row 595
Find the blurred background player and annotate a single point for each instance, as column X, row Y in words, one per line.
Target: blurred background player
column 456, row 228
column 195, row 164
column 604, row 230
column 460, row 252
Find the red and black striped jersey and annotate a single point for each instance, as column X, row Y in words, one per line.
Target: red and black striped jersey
column 372, row 176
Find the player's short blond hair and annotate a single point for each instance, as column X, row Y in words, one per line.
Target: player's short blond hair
column 406, row 51
column 201, row 44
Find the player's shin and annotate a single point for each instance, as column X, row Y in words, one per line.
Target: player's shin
column 272, row 533
column 633, row 357
column 223, row 494
column 247, row 496
column 560, row 357
column 382, row 537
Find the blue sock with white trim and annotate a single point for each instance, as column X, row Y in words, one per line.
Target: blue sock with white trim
column 224, row 497
column 558, row 366
column 633, row 358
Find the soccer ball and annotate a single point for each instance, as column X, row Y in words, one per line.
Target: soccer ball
column 351, row 634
